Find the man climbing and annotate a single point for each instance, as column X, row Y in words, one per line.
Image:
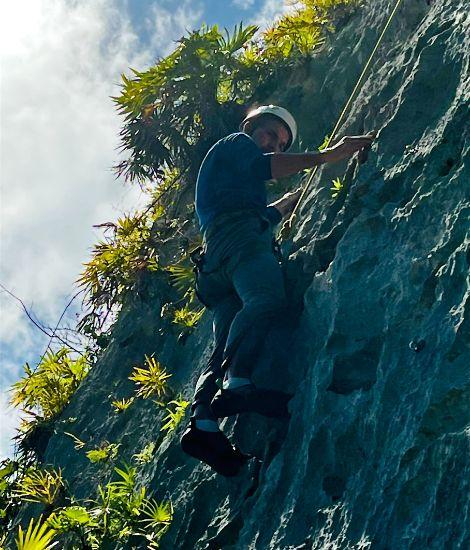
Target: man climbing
column 238, row 276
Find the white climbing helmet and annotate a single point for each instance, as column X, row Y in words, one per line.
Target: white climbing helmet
column 279, row 112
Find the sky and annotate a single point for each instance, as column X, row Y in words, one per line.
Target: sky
column 60, row 61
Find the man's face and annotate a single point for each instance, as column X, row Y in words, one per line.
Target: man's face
column 271, row 136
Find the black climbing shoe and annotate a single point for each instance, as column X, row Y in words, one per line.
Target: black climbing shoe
column 214, row 449
column 249, row 398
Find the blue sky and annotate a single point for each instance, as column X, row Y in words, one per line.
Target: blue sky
column 61, row 60
column 224, row 14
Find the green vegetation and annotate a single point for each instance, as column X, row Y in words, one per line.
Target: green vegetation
column 38, row 536
column 175, row 414
column 44, row 392
column 187, row 318
column 121, row 405
column 41, row 486
column 305, row 30
column 150, row 379
column 107, row 451
column 169, row 107
column 116, row 263
column 157, row 517
column 9, row 504
column 121, row 512
column 337, row 188
column 77, row 443
column 325, row 143
column 145, row 454
column 182, row 278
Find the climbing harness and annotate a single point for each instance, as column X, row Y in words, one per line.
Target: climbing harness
column 288, row 225
column 197, row 258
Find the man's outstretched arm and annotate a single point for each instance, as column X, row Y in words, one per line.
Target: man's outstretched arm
column 286, row 164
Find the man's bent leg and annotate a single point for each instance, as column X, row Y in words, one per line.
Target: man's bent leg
column 200, row 440
column 260, row 285
column 206, row 387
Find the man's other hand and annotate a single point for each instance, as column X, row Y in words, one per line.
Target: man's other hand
column 287, row 203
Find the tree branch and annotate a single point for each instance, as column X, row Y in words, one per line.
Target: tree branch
column 53, row 335
column 38, row 325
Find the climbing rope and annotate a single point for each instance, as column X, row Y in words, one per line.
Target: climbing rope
column 288, row 225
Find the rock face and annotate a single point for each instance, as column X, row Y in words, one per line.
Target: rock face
column 376, row 453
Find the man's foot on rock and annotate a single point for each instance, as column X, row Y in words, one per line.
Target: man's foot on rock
column 214, row 449
column 249, row 398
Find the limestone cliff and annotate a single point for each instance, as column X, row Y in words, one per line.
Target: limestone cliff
column 376, row 452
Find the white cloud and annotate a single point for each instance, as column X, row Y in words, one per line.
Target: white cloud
column 61, row 61
column 181, row 19
column 59, row 133
column 270, row 11
column 243, row 4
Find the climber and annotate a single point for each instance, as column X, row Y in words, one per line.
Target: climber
column 238, row 276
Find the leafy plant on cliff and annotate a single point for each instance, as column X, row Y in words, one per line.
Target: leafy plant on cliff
column 37, row 537
column 151, row 379
column 126, row 251
column 121, row 405
column 302, row 31
column 337, row 188
column 75, row 520
column 146, row 454
column 186, row 317
column 77, row 442
column 168, row 108
column 157, row 517
column 176, row 410
column 37, row 485
column 120, row 512
column 106, row 451
column 326, row 142
column 182, row 278
column 44, row 392
column 8, row 503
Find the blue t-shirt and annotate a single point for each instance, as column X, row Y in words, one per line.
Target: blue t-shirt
column 231, row 178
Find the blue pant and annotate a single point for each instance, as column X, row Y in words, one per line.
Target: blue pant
column 241, row 282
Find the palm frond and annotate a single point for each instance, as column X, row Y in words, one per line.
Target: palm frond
column 41, row 486
column 239, row 38
column 37, row 537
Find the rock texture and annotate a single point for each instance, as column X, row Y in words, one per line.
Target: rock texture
column 376, row 454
